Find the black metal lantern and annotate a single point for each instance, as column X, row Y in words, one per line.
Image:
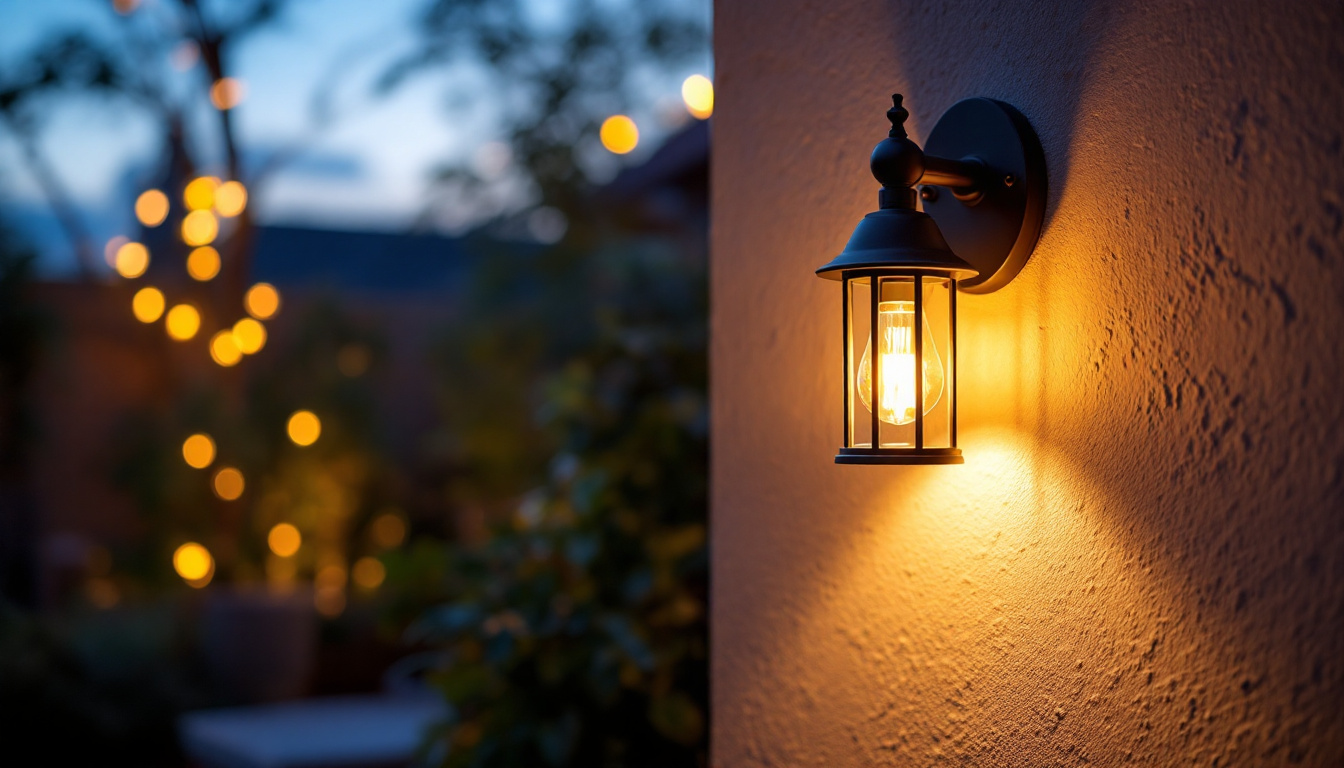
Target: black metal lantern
column 900, row 277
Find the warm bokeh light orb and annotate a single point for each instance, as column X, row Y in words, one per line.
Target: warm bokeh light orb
column 125, row 7
column 224, row 349
column 183, row 322
column 199, row 194
column 262, row 301
column 619, row 134
column 227, row 93
column 230, row 199
column 368, row 573
column 388, row 530
column 203, row 263
column 249, row 335
column 199, row 228
column 151, row 207
column 697, row 92
column 198, row 451
column 132, row 260
column 304, row 428
column 148, row 304
column 228, row 483
column 284, row 540
column 194, row 564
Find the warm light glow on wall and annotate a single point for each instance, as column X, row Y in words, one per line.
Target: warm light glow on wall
column 194, row 564
column 388, row 530
column 224, row 349
column 368, row 573
column 199, row 194
column 249, row 335
column 284, row 540
column 619, row 134
column 183, row 322
column 262, row 301
column 151, row 207
column 132, row 260
column 697, row 92
column 198, row 450
column 203, row 263
column 230, row 199
column 228, row 483
column 199, row 228
column 304, row 428
column 147, row 304
column 227, row 93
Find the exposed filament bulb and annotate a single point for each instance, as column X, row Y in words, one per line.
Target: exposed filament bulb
column 896, row 356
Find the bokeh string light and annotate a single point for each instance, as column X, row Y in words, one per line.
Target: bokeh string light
column 151, row 207
column 148, row 304
column 228, row 483
column 183, row 322
column 194, row 563
column 227, row 93
column 203, row 263
column 198, row 451
column 304, row 428
column 262, row 301
column 199, row 228
column 132, row 260
column 284, row 540
column 249, row 335
column 619, row 134
column 230, row 199
column 224, row 349
column 697, row 93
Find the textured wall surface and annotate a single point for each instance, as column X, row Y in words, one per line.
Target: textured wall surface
column 1142, row 560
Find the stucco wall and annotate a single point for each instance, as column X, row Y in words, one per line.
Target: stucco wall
column 1142, row 559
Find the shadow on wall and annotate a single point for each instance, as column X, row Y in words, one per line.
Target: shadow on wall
column 994, row 50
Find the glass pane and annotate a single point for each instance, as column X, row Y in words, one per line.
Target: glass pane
column 859, row 313
column 893, row 349
column 937, row 363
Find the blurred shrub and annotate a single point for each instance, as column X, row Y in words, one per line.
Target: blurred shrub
column 576, row 633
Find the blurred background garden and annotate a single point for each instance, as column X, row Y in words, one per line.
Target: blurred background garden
column 352, row 382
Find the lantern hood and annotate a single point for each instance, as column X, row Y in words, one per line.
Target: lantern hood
column 898, row 238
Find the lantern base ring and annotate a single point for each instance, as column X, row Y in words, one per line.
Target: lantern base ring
column 899, row 456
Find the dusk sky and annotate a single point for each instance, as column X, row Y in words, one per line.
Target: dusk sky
column 369, row 169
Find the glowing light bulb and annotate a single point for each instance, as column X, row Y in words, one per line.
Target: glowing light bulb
column 896, row 356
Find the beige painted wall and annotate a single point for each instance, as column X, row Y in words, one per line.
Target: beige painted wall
column 1143, row 557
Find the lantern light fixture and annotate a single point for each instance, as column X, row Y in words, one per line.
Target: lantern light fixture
column 902, row 268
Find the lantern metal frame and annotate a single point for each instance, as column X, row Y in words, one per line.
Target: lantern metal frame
column 997, row 188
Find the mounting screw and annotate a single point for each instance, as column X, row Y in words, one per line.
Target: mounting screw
column 928, row 194
column 1009, row 180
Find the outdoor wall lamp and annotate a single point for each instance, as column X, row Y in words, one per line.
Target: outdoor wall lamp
column 900, row 277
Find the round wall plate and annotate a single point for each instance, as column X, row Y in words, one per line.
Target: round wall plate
column 997, row 232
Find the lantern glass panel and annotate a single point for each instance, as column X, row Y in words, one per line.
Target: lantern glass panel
column 860, row 431
column 937, row 296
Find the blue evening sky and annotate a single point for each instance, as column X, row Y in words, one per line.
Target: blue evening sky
column 369, row 169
